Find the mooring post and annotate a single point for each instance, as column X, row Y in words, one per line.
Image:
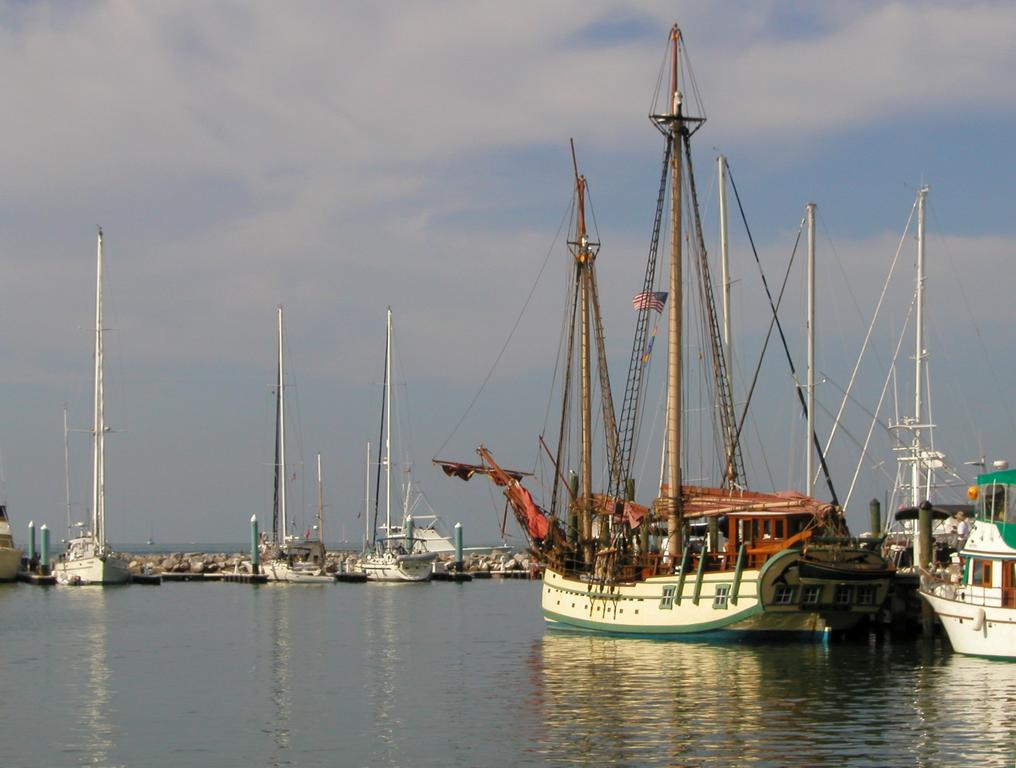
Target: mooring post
column 44, row 550
column 459, row 564
column 31, row 545
column 409, row 533
column 875, row 518
column 255, row 556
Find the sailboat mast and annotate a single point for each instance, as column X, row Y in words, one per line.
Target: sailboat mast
column 672, row 501
column 67, row 470
column 721, row 183
column 388, row 428
column 98, row 418
column 281, row 427
column 810, row 386
column 366, row 502
column 320, row 503
column 919, row 357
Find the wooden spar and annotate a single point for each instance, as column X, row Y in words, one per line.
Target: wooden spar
column 674, row 399
column 583, row 262
column 557, row 470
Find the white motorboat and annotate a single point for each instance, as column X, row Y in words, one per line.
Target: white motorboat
column 88, row 559
column 975, row 598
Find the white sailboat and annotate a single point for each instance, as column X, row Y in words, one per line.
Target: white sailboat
column 395, row 558
column 283, row 555
column 88, row 558
column 306, row 570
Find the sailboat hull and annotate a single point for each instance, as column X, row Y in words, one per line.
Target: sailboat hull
column 93, row 570
column 774, row 599
column 298, row 573
column 393, row 567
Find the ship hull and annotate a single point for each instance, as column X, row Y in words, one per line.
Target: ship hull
column 772, row 600
column 10, row 561
column 93, row 570
column 974, row 630
column 393, row 567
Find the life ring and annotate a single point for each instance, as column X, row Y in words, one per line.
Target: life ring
column 978, row 624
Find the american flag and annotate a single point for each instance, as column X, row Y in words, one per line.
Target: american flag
column 650, row 300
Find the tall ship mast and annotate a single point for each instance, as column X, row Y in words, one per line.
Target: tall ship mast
column 697, row 559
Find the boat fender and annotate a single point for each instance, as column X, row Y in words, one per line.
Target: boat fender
column 978, row 624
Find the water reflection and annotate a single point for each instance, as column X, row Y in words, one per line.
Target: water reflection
column 383, row 657
column 89, row 681
column 281, row 701
column 971, row 703
column 644, row 702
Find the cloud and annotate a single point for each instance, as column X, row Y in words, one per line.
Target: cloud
column 337, row 159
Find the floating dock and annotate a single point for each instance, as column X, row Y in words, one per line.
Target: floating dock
column 455, row 576
column 39, row 579
column 351, row 578
column 242, row 578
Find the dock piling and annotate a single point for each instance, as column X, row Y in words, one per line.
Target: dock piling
column 31, row 545
column 457, row 535
column 875, row 518
column 44, row 550
column 255, row 559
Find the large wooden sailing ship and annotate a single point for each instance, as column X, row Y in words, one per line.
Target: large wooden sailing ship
column 698, row 559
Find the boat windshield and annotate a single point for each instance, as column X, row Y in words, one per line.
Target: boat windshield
column 998, row 503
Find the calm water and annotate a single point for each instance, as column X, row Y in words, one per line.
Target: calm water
column 456, row 675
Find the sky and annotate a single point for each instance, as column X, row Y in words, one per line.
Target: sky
column 340, row 158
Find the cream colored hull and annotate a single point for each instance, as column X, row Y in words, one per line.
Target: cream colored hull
column 10, row 561
column 772, row 600
column 974, row 629
column 93, row 570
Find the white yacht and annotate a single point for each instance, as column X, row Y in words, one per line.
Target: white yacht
column 975, row 599
column 88, row 558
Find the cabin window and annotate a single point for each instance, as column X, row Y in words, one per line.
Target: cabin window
column 844, row 594
column 667, row 601
column 720, row 599
column 995, row 502
column 812, row 595
column 866, row 594
column 981, row 576
column 784, row 594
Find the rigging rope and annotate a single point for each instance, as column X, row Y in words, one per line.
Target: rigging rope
column 786, row 348
column 507, row 341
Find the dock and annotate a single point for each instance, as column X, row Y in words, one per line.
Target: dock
column 39, row 579
column 352, row 577
column 240, row 578
column 454, row 576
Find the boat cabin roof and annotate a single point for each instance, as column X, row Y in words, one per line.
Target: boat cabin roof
column 1000, row 477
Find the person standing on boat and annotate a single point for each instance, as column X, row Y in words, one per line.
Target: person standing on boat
column 962, row 526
